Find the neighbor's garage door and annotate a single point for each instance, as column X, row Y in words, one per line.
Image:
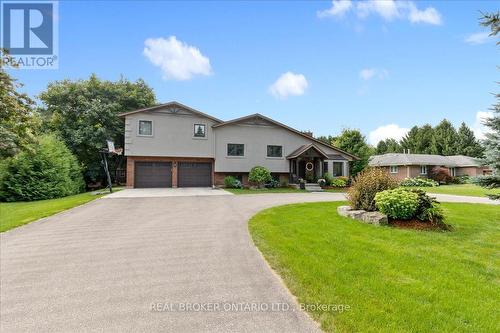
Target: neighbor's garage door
column 153, row 174
column 194, row 174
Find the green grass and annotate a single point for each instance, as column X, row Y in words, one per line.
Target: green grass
column 394, row 280
column 462, row 189
column 15, row 214
column 263, row 190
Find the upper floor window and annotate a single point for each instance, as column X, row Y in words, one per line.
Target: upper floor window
column 145, row 128
column 393, row 169
column 274, row 151
column 423, row 169
column 200, row 131
column 235, row 149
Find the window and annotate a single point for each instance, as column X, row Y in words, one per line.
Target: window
column 423, row 169
column 199, row 131
column 274, row 151
column 325, row 167
column 337, row 169
column 235, row 149
column 394, row 169
column 453, row 172
column 145, row 128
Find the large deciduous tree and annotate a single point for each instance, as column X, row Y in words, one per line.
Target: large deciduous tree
column 352, row 141
column 84, row 113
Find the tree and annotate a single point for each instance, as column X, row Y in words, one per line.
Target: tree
column 467, row 144
column 329, row 140
column 389, row 145
column 444, row 141
column 352, row 141
column 84, row 113
column 18, row 120
column 418, row 140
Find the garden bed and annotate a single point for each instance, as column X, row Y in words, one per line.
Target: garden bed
column 416, row 224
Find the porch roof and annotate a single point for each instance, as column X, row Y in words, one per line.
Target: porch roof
column 302, row 149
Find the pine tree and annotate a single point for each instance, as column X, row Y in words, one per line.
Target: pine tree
column 445, row 139
column 388, row 146
column 467, row 143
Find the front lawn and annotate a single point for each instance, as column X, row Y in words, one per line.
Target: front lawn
column 394, row 280
column 14, row 214
column 264, row 190
column 461, row 189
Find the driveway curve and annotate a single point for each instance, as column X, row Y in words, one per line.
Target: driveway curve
column 137, row 264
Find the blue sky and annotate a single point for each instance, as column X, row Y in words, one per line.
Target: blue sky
column 313, row 65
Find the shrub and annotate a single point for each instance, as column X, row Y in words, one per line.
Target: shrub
column 428, row 209
column 232, row 182
column 45, row 170
column 398, row 203
column 361, row 194
column 328, row 179
column 460, row 179
column 440, row 174
column 273, row 183
column 424, row 182
column 259, row 176
column 339, row 182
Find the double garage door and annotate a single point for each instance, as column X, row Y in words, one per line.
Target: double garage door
column 159, row 174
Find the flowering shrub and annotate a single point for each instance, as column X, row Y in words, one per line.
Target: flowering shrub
column 367, row 183
column 424, row 182
column 259, row 176
column 397, row 204
column 232, row 182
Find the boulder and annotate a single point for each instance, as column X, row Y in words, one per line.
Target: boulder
column 355, row 214
column 375, row 218
column 342, row 210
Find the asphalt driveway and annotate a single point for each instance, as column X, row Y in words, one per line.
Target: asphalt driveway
column 136, row 264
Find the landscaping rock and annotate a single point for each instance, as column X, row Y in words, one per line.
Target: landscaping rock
column 342, row 210
column 375, row 218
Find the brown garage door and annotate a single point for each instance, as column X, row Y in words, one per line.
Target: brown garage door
column 153, row 174
column 192, row 174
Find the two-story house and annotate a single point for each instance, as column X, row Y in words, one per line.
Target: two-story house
column 173, row 145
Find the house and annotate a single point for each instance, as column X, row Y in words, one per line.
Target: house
column 173, row 145
column 403, row 166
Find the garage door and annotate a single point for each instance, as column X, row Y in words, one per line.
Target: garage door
column 153, row 174
column 194, row 174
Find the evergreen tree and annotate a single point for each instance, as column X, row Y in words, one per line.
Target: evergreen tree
column 388, row 146
column 445, row 139
column 418, row 140
column 467, row 143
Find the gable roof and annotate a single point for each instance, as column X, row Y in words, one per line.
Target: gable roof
column 302, row 149
column 423, row 159
column 173, row 103
column 277, row 123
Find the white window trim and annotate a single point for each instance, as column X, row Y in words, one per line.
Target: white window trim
column 343, row 168
column 276, row 157
column 395, row 170
column 152, row 128
column 232, row 143
column 423, row 167
column 200, row 137
column 452, row 171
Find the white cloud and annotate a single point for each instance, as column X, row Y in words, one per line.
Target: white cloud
column 289, row 84
column 429, row 15
column 477, row 38
column 386, row 9
column 177, row 60
column 479, row 129
column 339, row 8
column 370, row 73
column 388, row 131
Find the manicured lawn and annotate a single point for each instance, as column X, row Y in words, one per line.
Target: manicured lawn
column 394, row 280
column 462, row 189
column 14, row 214
column 263, row 190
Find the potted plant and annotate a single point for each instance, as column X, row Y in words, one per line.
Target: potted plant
column 302, row 184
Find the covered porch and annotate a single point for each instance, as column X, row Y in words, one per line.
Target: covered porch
column 306, row 162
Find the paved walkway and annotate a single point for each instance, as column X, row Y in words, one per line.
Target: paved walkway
column 101, row 266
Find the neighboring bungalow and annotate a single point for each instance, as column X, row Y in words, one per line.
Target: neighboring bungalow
column 403, row 166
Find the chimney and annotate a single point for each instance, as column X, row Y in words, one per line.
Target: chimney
column 308, row 133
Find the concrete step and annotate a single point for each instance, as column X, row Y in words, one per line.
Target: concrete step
column 312, row 187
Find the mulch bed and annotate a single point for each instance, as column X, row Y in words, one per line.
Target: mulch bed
column 416, row 225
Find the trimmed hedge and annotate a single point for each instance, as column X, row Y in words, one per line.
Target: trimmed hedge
column 45, row 170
